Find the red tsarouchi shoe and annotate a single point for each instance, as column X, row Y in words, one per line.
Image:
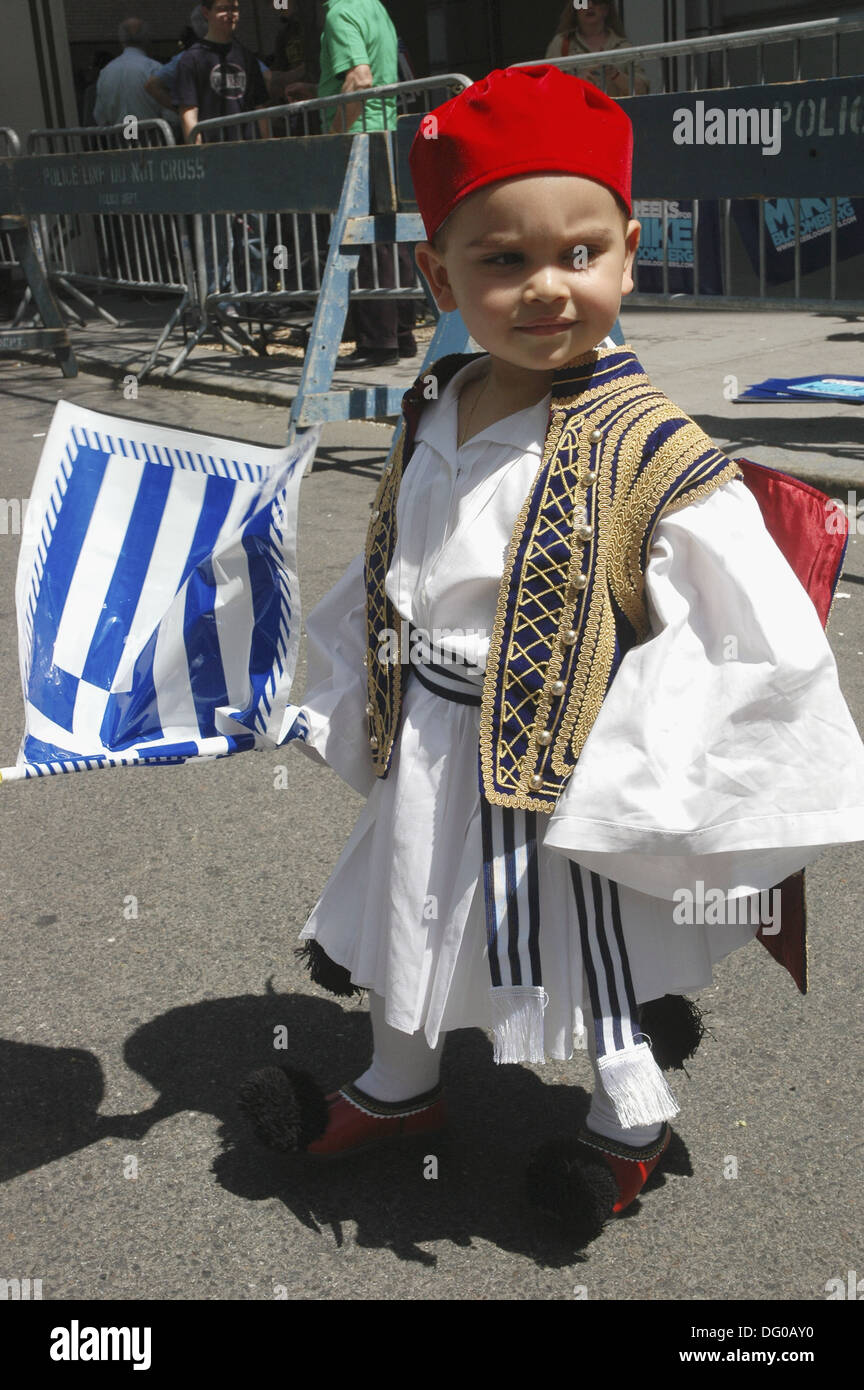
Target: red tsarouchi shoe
column 630, row 1167
column 584, row 1179
column 357, row 1121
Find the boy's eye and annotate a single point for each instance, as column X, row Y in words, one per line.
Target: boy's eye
column 578, row 256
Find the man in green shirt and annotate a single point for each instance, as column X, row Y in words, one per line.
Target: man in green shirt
column 359, row 49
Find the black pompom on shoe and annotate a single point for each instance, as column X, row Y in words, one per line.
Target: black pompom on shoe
column 674, row 1025
column 571, row 1183
column 325, row 972
column 286, row 1109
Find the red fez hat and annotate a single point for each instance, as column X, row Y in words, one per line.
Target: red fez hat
column 529, row 120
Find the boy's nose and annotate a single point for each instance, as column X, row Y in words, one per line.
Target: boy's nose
column 549, row 282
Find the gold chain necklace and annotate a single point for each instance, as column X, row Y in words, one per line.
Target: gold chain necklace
column 480, row 393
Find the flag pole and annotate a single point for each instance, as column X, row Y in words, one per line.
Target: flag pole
column 219, row 746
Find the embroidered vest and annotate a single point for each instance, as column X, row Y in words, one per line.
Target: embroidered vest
column 618, row 456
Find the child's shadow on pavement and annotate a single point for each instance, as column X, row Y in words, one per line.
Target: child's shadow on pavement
column 463, row 1184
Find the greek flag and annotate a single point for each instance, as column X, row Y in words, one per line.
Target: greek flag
column 157, row 595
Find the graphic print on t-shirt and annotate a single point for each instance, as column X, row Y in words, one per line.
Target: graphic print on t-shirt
column 228, row 80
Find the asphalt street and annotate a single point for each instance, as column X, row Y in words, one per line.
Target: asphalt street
column 125, row 1170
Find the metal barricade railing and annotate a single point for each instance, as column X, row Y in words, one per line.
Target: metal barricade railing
column 266, row 261
column 114, row 248
column 20, row 252
column 706, row 60
column 133, row 251
column 9, row 144
column 728, row 251
column 354, row 180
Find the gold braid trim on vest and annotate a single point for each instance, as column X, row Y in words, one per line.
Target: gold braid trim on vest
column 600, row 495
column 384, row 679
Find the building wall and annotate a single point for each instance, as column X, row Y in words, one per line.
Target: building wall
column 95, row 21
column 36, row 87
column 472, row 36
column 409, row 18
column 92, row 24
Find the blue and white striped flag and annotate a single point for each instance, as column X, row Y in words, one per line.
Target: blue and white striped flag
column 157, row 595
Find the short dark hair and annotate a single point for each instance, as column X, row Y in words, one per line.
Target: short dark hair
column 438, row 242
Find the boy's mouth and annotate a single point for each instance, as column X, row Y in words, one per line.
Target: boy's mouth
column 547, row 326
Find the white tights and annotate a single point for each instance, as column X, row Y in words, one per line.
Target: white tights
column 405, row 1066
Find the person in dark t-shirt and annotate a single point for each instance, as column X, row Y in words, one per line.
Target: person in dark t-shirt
column 217, row 76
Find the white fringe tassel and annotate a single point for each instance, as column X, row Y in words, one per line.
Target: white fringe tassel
column 636, row 1087
column 517, row 1022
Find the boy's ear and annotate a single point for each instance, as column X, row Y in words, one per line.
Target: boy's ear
column 434, row 271
column 631, row 243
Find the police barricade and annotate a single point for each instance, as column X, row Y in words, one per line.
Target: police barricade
column 269, row 267
column 9, row 144
column 349, row 176
column 109, row 248
column 779, row 252
column 18, row 250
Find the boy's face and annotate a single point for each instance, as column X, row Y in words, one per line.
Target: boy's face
column 538, row 247
column 222, row 17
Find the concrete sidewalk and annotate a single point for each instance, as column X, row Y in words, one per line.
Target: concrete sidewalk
column 701, row 358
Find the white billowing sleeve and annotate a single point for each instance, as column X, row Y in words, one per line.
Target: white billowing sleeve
column 334, row 706
column 724, row 751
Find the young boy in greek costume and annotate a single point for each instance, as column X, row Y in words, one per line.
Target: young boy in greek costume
column 619, row 692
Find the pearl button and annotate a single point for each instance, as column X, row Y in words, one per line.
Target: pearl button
column 375, row 514
column 545, row 738
column 584, row 532
column 569, row 637
column 591, row 475
column 535, row 782
column 558, row 688
column 595, row 436
column 370, row 709
column 373, row 742
column 579, row 581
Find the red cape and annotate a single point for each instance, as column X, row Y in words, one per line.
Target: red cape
column 813, row 535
